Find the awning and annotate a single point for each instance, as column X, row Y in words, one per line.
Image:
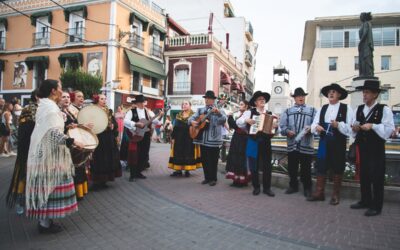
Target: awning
column 30, row 60
column 2, row 64
column 225, row 78
column 35, row 16
column 4, row 22
column 182, row 67
column 145, row 65
column 70, row 10
column 143, row 20
column 70, row 56
column 235, row 86
column 159, row 29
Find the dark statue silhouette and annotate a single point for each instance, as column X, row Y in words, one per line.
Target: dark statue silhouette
column 366, row 47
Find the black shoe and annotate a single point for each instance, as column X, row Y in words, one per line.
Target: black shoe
column 358, row 205
column 147, row 165
column 269, row 192
column 212, row 183
column 372, row 212
column 132, row 179
column 187, row 173
column 307, row 193
column 79, row 198
column 204, row 182
column 52, row 229
column 235, row 184
column 140, row 176
column 256, row 191
column 291, row 190
column 176, row 173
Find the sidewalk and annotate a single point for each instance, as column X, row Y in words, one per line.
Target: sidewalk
column 162, row 212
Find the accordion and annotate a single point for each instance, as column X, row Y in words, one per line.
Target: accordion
column 265, row 123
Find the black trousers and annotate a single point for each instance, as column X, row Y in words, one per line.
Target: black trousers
column 209, row 158
column 143, row 148
column 262, row 163
column 295, row 158
column 372, row 176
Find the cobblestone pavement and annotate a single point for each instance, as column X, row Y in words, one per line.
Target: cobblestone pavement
column 164, row 212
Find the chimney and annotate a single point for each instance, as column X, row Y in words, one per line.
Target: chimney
column 210, row 23
column 227, row 41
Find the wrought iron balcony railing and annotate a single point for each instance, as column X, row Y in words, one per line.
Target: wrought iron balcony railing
column 41, row 39
column 136, row 41
column 76, row 35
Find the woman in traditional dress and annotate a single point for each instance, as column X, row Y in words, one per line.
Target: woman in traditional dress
column 105, row 165
column 16, row 191
column 71, row 121
column 236, row 165
column 50, row 191
column 6, row 130
column 184, row 156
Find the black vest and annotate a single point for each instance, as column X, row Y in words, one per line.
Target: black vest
column 341, row 117
column 370, row 137
column 135, row 116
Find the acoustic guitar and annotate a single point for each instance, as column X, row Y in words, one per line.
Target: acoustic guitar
column 194, row 131
column 138, row 134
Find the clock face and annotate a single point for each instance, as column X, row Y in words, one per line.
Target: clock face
column 278, row 90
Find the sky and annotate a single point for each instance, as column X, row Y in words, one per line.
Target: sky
column 279, row 29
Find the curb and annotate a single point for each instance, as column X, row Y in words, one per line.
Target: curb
column 348, row 190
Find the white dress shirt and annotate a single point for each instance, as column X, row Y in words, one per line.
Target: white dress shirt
column 129, row 124
column 331, row 114
column 383, row 129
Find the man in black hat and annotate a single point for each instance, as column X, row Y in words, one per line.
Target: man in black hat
column 138, row 151
column 210, row 139
column 295, row 123
column 372, row 127
column 333, row 124
column 258, row 149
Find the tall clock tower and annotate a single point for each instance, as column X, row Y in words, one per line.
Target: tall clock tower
column 280, row 92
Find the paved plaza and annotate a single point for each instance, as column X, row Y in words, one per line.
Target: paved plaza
column 163, row 212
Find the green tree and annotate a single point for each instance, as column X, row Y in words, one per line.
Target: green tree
column 80, row 80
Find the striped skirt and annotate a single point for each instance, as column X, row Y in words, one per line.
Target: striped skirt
column 61, row 203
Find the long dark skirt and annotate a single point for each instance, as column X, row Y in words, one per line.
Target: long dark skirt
column 17, row 185
column 105, row 165
column 236, row 165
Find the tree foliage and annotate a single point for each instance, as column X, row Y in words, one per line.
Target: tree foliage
column 80, row 80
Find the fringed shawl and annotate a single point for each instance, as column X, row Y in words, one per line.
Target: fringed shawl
column 49, row 160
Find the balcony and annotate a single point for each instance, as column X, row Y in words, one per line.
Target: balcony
column 248, row 59
column 191, row 40
column 2, row 43
column 156, row 50
column 249, row 31
column 76, row 35
column 41, row 39
column 182, row 88
column 136, row 41
column 249, row 85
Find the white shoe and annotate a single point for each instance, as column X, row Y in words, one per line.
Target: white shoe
column 12, row 153
column 3, row 155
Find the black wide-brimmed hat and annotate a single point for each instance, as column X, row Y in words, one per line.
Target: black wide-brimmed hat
column 210, row 94
column 299, row 92
column 334, row 86
column 373, row 85
column 139, row 98
column 258, row 94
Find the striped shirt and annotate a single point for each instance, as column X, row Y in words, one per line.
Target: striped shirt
column 295, row 119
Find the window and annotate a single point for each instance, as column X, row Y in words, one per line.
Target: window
column 76, row 27
column 39, row 74
column 2, row 37
column 332, row 63
column 154, row 83
column 356, row 63
column 182, row 82
column 136, row 86
column 72, row 64
column 388, row 36
column 42, row 32
column 385, row 63
column 384, row 96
